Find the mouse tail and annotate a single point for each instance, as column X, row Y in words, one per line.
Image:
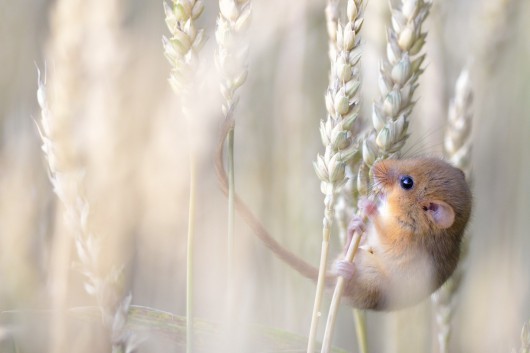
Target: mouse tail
column 298, row 264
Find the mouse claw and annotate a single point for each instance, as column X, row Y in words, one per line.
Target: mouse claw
column 345, row 269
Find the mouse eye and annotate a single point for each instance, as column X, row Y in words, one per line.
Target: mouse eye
column 406, row 182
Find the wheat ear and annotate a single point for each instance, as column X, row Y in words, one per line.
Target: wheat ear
column 399, row 73
column 67, row 183
column 62, row 153
column 105, row 69
column 457, row 149
column 182, row 51
column 342, row 104
column 66, row 51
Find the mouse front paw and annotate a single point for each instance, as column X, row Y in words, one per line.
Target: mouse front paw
column 344, row 269
column 367, row 206
column 357, row 224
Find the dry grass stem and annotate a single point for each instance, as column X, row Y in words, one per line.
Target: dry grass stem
column 457, row 148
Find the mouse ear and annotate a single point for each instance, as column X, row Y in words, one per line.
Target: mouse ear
column 440, row 213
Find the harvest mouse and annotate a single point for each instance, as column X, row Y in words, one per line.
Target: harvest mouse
column 412, row 240
column 411, row 245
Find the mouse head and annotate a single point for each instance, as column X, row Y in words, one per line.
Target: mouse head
column 423, row 195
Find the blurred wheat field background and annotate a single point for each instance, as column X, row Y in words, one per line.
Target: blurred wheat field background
column 124, row 128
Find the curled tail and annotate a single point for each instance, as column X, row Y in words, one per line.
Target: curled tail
column 298, row 264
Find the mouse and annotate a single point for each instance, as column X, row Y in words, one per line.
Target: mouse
column 416, row 216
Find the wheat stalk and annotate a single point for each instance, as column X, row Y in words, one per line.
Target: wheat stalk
column 231, row 59
column 182, row 51
column 457, row 148
column 342, row 104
